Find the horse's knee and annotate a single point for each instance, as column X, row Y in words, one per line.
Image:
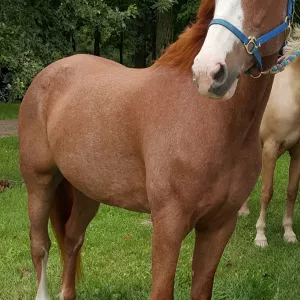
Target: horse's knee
column 292, row 193
column 39, row 249
column 267, row 195
column 73, row 243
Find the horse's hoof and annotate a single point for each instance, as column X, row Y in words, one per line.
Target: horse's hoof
column 290, row 238
column 44, row 297
column 147, row 222
column 261, row 243
column 244, row 213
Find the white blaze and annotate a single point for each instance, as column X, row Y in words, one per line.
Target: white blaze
column 220, row 40
column 218, row 43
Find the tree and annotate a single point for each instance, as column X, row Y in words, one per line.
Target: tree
column 34, row 33
column 165, row 31
column 297, row 12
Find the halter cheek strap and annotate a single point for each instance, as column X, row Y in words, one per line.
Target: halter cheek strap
column 251, row 43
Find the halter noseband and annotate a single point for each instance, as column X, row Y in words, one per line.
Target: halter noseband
column 251, row 43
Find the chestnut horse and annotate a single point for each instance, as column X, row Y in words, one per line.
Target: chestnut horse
column 92, row 131
column 280, row 132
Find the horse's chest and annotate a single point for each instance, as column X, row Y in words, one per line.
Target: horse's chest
column 245, row 173
column 237, row 179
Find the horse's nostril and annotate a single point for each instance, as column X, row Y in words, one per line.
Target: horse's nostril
column 219, row 74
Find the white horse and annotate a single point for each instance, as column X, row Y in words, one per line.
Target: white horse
column 280, row 132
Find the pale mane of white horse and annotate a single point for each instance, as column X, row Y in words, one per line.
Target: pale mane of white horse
column 293, row 41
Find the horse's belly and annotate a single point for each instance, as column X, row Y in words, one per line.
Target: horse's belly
column 117, row 192
column 291, row 139
column 116, row 182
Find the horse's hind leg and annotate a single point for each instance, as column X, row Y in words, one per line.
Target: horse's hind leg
column 269, row 157
column 83, row 211
column 294, row 176
column 40, row 198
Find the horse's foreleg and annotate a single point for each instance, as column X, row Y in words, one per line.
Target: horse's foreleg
column 294, row 176
column 169, row 230
column 83, row 211
column 268, row 167
column 209, row 247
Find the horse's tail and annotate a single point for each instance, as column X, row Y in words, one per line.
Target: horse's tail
column 59, row 216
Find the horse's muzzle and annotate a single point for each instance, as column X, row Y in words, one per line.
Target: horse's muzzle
column 216, row 83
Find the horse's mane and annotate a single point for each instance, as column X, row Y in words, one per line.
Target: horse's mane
column 182, row 53
column 293, row 42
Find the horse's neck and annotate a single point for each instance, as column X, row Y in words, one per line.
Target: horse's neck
column 242, row 114
column 251, row 104
column 257, row 97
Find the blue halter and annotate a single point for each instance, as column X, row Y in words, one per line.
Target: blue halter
column 251, row 43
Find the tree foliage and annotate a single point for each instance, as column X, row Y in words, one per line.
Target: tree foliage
column 34, row 33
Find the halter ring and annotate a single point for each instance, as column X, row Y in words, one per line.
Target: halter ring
column 252, row 43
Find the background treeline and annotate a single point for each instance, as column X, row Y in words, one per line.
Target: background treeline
column 34, row 33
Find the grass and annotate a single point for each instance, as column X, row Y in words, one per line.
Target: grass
column 118, row 268
column 9, row 111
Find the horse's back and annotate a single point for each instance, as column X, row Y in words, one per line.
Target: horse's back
column 84, row 81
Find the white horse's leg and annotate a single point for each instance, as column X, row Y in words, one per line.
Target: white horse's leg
column 269, row 158
column 294, row 177
column 244, row 210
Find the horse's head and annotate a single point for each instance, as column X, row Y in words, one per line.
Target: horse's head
column 241, row 34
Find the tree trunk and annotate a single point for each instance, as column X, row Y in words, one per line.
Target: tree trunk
column 153, row 41
column 121, row 47
column 140, row 55
column 164, row 32
column 73, row 43
column 140, row 58
column 97, row 39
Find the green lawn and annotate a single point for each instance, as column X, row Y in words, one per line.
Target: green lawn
column 116, row 268
column 9, row 111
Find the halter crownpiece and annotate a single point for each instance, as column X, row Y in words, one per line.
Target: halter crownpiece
column 251, row 43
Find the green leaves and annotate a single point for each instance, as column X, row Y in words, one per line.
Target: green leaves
column 164, row 5
column 34, row 33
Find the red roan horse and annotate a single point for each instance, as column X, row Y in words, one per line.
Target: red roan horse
column 93, row 131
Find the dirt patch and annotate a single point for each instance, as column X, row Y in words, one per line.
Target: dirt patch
column 4, row 184
column 8, row 128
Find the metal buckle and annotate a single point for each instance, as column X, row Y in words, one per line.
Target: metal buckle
column 268, row 72
column 256, row 77
column 252, row 42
